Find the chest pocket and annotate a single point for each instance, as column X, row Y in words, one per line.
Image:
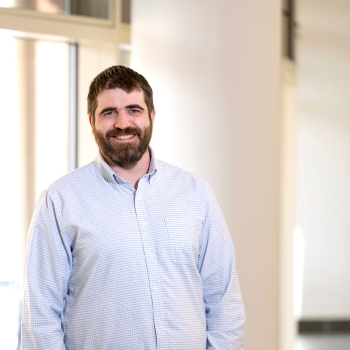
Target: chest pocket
column 184, row 239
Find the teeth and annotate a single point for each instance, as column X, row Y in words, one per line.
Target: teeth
column 125, row 137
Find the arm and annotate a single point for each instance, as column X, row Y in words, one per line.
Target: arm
column 224, row 307
column 47, row 271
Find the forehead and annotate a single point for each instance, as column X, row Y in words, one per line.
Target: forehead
column 120, row 98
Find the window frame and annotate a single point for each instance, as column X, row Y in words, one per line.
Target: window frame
column 71, row 27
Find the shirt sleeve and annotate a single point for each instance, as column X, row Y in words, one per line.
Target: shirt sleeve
column 225, row 314
column 47, row 271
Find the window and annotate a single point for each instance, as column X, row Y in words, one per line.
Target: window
column 34, row 151
column 45, row 72
column 88, row 8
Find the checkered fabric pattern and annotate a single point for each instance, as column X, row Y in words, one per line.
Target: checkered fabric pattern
column 109, row 267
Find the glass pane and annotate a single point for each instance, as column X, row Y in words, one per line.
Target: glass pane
column 89, row 8
column 126, row 11
column 47, row 6
column 34, row 152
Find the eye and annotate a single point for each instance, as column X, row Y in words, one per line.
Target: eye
column 133, row 111
column 109, row 114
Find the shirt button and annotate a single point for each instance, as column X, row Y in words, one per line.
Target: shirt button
column 159, row 323
column 155, row 289
column 150, row 255
column 144, row 224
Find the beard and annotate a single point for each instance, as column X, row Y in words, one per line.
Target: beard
column 125, row 155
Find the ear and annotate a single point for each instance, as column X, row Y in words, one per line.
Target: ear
column 153, row 114
column 91, row 120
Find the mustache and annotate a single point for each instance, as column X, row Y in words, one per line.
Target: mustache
column 123, row 132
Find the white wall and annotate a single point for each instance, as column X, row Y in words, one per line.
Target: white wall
column 215, row 68
column 324, row 157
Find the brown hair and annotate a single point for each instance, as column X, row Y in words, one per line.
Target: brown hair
column 118, row 77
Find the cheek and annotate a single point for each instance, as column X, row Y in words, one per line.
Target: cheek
column 103, row 125
column 144, row 123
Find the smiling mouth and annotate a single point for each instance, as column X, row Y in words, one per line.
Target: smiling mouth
column 124, row 137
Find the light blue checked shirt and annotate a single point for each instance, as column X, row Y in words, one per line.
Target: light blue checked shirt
column 112, row 268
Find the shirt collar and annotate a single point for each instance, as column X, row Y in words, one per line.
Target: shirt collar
column 110, row 176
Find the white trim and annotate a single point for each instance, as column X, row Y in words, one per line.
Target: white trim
column 125, row 47
column 73, row 106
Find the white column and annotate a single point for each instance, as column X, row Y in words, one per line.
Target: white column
column 215, row 67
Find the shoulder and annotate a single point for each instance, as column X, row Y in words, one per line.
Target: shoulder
column 175, row 176
column 80, row 177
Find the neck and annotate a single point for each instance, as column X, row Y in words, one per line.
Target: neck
column 134, row 174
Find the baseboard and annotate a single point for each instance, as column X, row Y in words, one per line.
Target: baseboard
column 324, row 326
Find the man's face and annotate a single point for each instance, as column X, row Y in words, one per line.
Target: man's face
column 122, row 126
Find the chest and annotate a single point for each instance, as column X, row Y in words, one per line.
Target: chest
column 122, row 226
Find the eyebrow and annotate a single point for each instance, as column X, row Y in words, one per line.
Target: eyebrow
column 114, row 109
column 108, row 109
column 134, row 106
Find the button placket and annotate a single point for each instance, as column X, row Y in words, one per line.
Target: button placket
column 151, row 258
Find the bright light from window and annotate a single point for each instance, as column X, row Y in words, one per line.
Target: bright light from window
column 7, row 3
column 35, row 115
column 52, row 112
column 299, row 257
column 11, row 189
column 12, row 171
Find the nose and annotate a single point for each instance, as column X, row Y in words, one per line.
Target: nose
column 122, row 120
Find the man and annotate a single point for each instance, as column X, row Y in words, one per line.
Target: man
column 129, row 252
